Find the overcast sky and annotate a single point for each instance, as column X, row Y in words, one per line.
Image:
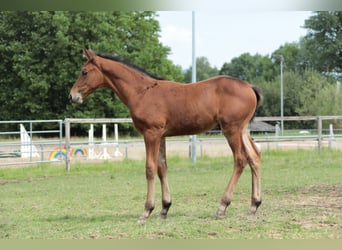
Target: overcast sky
column 223, row 35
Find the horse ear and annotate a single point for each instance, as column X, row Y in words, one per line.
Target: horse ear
column 89, row 54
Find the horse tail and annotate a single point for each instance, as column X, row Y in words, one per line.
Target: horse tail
column 258, row 93
column 259, row 96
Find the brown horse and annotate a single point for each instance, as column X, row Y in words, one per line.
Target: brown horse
column 161, row 108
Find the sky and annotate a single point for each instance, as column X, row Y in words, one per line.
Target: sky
column 223, row 35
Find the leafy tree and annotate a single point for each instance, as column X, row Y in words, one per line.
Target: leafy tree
column 306, row 93
column 254, row 69
column 323, row 42
column 203, row 70
column 318, row 95
column 271, row 102
column 292, row 53
column 40, row 58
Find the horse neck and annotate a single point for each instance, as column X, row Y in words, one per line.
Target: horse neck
column 127, row 83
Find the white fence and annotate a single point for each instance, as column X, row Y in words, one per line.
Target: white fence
column 319, row 137
column 104, row 143
column 28, row 145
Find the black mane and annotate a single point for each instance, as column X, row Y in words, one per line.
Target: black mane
column 117, row 58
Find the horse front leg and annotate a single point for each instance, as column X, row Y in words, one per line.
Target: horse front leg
column 151, row 145
column 162, row 171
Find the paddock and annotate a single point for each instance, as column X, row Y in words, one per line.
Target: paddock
column 301, row 184
column 302, row 199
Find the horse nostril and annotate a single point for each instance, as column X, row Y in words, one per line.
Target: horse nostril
column 70, row 98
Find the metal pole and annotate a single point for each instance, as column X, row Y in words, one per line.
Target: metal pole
column 67, row 144
column 30, row 141
column 319, row 139
column 193, row 137
column 281, row 95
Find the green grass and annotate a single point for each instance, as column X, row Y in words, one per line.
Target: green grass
column 302, row 199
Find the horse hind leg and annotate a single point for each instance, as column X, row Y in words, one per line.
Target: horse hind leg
column 162, row 174
column 254, row 158
column 240, row 161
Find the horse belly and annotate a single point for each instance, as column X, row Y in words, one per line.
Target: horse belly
column 187, row 123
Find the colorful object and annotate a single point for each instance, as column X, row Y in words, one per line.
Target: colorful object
column 78, row 151
column 58, row 154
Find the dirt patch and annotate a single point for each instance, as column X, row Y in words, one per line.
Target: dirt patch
column 327, row 196
column 324, row 190
column 322, row 207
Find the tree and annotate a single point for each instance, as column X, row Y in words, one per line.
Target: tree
column 318, row 95
column 323, row 43
column 254, row 69
column 41, row 57
column 203, row 70
column 294, row 60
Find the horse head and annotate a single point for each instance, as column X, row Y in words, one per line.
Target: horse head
column 90, row 79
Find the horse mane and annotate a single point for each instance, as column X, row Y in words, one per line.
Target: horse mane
column 116, row 58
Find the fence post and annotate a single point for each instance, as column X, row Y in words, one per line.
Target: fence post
column 67, row 144
column 31, row 144
column 91, row 152
column 331, row 137
column 319, row 128
column 117, row 152
column 277, row 129
column 126, row 149
column 201, row 147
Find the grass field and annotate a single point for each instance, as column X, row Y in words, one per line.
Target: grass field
column 302, row 199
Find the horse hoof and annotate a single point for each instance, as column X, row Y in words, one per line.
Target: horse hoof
column 221, row 212
column 142, row 220
column 252, row 212
column 163, row 216
column 220, row 215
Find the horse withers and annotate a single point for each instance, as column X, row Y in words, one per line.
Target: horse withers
column 161, row 108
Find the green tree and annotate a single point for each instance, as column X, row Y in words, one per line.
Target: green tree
column 318, row 95
column 306, row 93
column 292, row 53
column 254, row 69
column 40, row 58
column 323, row 43
column 203, row 70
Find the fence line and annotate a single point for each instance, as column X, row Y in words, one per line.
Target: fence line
column 68, row 123
column 319, row 120
column 24, row 147
column 64, row 144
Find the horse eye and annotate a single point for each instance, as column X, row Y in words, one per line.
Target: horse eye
column 84, row 73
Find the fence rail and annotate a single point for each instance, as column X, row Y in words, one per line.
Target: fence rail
column 11, row 145
column 320, row 137
column 25, row 145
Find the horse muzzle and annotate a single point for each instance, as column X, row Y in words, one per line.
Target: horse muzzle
column 76, row 98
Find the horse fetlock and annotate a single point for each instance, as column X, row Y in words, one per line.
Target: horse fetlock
column 143, row 218
column 254, row 206
column 166, row 204
column 166, row 207
column 221, row 211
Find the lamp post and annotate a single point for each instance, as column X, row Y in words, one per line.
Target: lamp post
column 193, row 79
column 281, row 94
